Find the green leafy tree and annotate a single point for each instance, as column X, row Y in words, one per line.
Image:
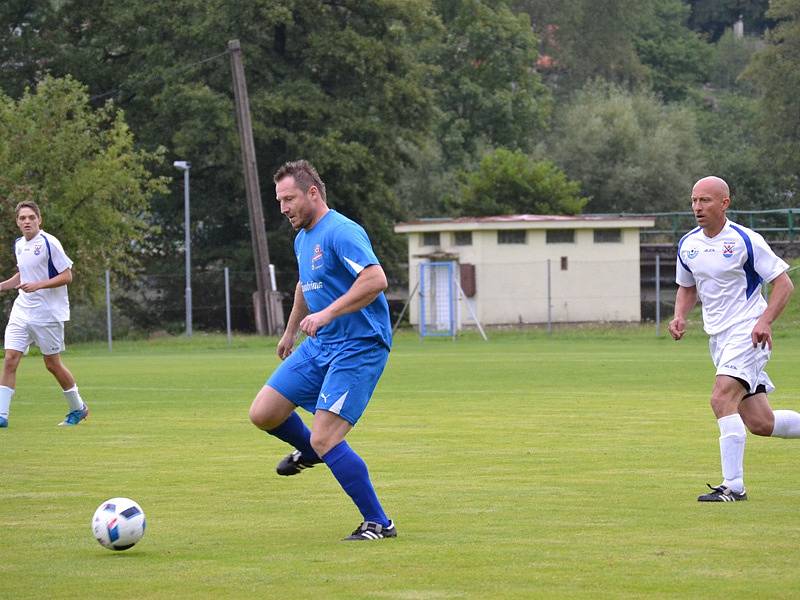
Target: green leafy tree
column 631, row 152
column 587, row 39
column 633, row 43
column 729, row 60
column 733, row 145
column 82, row 168
column 22, row 46
column 776, row 71
column 511, row 182
column 486, row 95
column 339, row 83
column 676, row 57
column 486, row 90
column 713, row 17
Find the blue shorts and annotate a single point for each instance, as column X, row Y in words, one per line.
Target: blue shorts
column 339, row 378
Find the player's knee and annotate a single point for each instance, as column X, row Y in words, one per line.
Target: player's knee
column 723, row 404
column 321, row 442
column 257, row 416
column 262, row 417
column 53, row 365
column 11, row 362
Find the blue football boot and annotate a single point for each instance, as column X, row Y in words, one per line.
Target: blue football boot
column 76, row 416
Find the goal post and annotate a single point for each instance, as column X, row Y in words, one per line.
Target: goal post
column 438, row 299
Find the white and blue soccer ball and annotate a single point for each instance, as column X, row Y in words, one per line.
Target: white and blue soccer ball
column 118, row 523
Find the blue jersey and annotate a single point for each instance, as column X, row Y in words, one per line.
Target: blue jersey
column 330, row 256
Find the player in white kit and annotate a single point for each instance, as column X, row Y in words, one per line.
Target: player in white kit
column 39, row 311
column 724, row 265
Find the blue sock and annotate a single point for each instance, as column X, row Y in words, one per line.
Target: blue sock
column 295, row 433
column 351, row 473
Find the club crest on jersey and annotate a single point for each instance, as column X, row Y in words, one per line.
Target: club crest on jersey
column 727, row 249
column 692, row 253
column 37, row 249
column 316, row 258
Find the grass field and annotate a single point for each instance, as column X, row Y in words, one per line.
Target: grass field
column 526, row 467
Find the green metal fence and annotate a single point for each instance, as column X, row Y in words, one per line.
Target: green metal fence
column 780, row 224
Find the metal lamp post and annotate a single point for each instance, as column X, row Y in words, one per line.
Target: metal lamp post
column 185, row 166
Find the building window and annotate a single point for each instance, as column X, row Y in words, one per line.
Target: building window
column 430, row 238
column 563, row 263
column 511, row 236
column 462, row 238
column 607, row 236
column 560, row 236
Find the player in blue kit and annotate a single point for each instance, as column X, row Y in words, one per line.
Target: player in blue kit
column 724, row 265
column 339, row 304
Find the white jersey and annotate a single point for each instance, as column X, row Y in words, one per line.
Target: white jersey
column 728, row 270
column 40, row 259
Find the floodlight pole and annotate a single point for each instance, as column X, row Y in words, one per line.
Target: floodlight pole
column 185, row 166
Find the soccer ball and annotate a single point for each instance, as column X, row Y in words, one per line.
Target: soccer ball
column 118, row 523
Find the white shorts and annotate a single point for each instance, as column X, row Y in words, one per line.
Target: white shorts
column 733, row 354
column 48, row 336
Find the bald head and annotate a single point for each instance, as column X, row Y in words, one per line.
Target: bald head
column 710, row 200
column 712, row 186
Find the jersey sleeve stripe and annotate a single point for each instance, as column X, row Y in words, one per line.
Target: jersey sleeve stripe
column 753, row 278
column 51, row 268
column 354, row 265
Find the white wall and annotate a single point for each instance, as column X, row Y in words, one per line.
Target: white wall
column 601, row 282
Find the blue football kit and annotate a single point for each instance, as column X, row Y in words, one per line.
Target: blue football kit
column 338, row 369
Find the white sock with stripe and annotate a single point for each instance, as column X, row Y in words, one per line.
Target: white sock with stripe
column 731, row 449
column 5, row 400
column 74, row 398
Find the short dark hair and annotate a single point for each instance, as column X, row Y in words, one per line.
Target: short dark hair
column 28, row 204
column 304, row 173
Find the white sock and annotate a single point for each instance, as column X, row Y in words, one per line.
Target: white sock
column 731, row 449
column 5, row 400
column 787, row 424
column 74, row 398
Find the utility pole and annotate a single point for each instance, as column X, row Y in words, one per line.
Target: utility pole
column 258, row 234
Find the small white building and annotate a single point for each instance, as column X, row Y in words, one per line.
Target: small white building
column 508, row 267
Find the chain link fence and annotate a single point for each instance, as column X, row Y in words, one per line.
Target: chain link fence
column 154, row 304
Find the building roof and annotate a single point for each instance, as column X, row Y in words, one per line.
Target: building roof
column 588, row 221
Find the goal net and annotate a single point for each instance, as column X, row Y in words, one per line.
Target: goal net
column 438, row 299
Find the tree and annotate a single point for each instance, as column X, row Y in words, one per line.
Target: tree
column 486, row 90
column 729, row 60
column 80, row 165
column 486, row 94
column 337, row 82
column 713, row 17
column 776, row 71
column 587, row 39
column 676, row 58
column 509, row 182
column 21, row 43
column 733, row 145
column 631, row 43
column 631, row 152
